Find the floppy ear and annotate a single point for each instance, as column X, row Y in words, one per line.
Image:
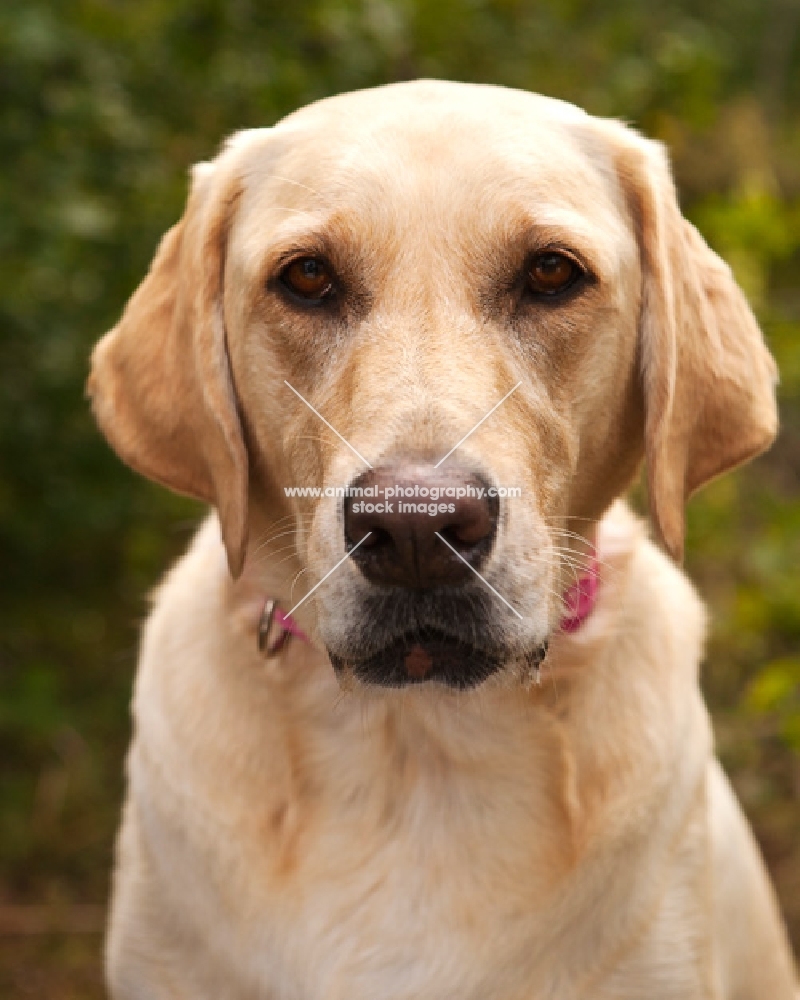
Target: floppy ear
column 708, row 378
column 161, row 385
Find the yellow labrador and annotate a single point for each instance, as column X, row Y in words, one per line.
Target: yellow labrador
column 487, row 304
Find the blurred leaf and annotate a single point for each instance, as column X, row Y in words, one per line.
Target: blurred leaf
column 776, row 685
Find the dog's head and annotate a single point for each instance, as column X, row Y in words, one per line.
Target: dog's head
column 346, row 301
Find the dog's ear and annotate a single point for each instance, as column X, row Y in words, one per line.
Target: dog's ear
column 708, row 379
column 160, row 383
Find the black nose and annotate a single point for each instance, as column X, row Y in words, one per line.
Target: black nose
column 406, row 507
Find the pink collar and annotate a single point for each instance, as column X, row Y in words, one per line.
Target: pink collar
column 580, row 599
column 275, row 627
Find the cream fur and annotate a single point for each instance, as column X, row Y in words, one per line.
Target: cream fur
column 285, row 840
column 574, row 841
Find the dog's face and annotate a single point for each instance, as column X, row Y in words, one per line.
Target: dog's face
column 399, row 262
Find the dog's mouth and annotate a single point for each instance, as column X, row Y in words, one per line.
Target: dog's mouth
column 421, row 656
column 451, row 637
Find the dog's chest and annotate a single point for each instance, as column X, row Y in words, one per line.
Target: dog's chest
column 388, row 869
column 415, row 898
column 418, row 877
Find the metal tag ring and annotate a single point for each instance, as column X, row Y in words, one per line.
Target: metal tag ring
column 268, row 645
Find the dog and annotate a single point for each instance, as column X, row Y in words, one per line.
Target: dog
column 418, row 715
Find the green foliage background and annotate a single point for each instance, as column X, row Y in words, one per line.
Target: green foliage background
column 105, row 103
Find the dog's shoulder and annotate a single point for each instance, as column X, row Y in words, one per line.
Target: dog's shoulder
column 645, row 597
column 197, row 583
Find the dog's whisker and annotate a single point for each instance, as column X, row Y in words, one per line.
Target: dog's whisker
column 294, row 530
column 263, row 546
column 289, row 520
column 282, row 561
column 294, row 183
column 563, row 533
column 552, row 518
column 589, row 561
column 266, row 558
column 294, row 583
column 280, row 525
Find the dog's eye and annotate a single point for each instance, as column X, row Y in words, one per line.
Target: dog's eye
column 309, row 278
column 551, row 273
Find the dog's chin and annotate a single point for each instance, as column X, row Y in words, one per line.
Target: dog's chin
column 420, row 657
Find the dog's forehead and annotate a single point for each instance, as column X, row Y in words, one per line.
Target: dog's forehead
column 425, row 147
column 423, row 97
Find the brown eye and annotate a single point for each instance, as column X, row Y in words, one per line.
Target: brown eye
column 309, row 278
column 551, row 273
